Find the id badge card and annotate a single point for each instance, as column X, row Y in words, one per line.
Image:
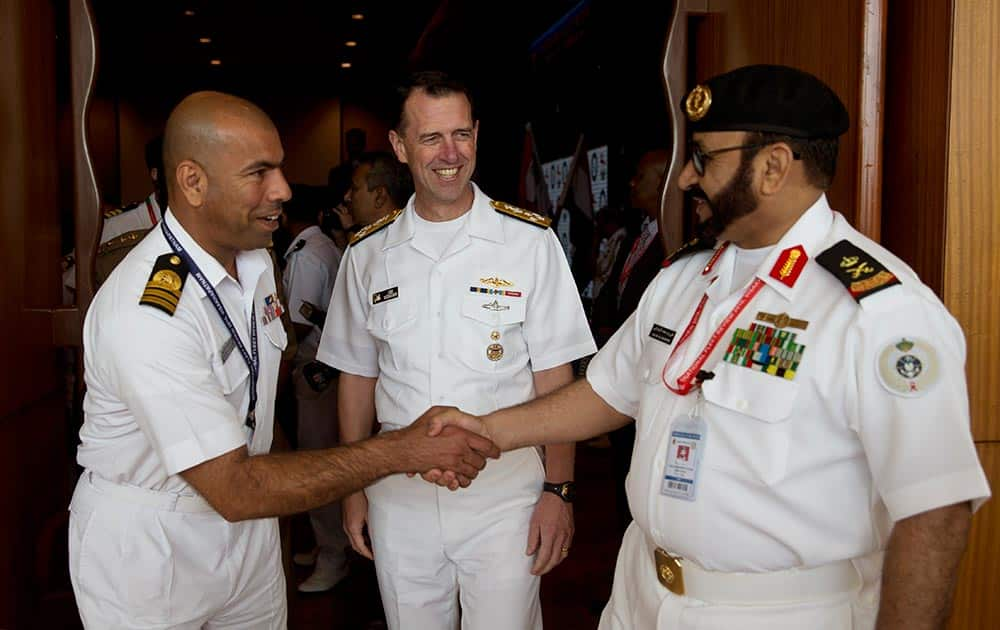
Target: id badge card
column 684, row 453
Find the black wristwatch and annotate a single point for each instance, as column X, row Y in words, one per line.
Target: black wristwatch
column 565, row 490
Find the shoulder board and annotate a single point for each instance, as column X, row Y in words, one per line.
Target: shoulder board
column 163, row 289
column 521, row 214
column 122, row 240
column 117, row 211
column 856, row 270
column 691, row 247
column 371, row 228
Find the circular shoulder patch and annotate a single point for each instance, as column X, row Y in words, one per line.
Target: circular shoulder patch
column 908, row 367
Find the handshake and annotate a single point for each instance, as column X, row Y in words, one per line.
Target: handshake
column 445, row 446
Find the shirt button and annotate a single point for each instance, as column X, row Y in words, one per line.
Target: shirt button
column 743, row 405
column 645, row 375
column 655, row 532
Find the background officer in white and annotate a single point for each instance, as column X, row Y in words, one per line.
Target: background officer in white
column 171, row 523
column 311, row 264
column 803, row 454
column 455, row 301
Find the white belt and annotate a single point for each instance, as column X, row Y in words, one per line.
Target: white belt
column 99, row 487
column 772, row 587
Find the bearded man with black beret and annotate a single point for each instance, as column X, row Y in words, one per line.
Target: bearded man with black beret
column 803, row 453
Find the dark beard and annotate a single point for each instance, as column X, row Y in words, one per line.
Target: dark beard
column 732, row 202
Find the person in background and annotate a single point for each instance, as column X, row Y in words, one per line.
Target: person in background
column 123, row 228
column 637, row 262
column 311, row 264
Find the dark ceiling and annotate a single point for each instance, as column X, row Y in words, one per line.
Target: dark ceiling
column 296, row 47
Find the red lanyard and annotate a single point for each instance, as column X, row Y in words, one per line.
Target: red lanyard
column 686, row 380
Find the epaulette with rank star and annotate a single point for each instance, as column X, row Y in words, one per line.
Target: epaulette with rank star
column 371, row 228
column 165, row 284
column 691, row 247
column 521, row 214
column 856, row 270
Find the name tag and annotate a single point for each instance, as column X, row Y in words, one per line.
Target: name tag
column 388, row 294
column 663, row 334
column 684, row 452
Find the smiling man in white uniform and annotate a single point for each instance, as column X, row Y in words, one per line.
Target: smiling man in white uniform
column 171, row 523
column 455, row 300
column 800, row 399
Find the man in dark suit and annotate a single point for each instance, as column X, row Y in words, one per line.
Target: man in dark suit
column 639, row 259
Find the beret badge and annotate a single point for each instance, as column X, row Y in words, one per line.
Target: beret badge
column 698, row 102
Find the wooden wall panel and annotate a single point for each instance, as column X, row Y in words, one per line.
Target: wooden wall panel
column 976, row 604
column 972, row 248
column 33, row 435
column 824, row 38
column 916, row 135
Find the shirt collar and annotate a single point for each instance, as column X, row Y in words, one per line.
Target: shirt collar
column 249, row 264
column 807, row 234
column 484, row 222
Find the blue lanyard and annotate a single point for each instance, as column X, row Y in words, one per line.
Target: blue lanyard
column 252, row 358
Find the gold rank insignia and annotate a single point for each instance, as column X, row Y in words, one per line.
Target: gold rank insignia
column 782, row 320
column 521, row 214
column 122, row 240
column 858, row 271
column 698, row 102
column 165, row 284
column 370, row 229
column 495, row 281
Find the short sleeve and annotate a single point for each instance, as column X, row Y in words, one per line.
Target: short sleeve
column 613, row 373
column 170, row 388
column 555, row 326
column 346, row 343
column 912, row 411
column 307, row 280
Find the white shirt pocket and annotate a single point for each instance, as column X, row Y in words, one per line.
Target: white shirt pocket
column 390, row 322
column 489, row 336
column 748, row 412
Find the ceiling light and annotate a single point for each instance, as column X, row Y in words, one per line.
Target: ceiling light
column 350, row 43
column 358, row 16
column 189, row 12
column 205, row 40
column 216, row 62
column 346, row 64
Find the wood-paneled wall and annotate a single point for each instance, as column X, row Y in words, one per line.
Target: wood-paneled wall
column 915, row 161
column 34, row 464
column 824, row 38
column 972, row 276
column 972, row 249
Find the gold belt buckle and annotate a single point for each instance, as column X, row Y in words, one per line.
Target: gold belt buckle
column 669, row 572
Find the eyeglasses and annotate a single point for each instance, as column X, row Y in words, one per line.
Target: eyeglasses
column 699, row 158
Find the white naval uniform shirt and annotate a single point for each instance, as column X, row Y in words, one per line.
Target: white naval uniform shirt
column 309, row 274
column 501, row 281
column 800, row 472
column 165, row 393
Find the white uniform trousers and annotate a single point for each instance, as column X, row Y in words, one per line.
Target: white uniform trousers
column 435, row 548
column 144, row 559
column 318, row 428
column 638, row 600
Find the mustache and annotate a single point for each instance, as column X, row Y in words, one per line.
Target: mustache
column 696, row 193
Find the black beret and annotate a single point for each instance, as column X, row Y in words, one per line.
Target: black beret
column 772, row 99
